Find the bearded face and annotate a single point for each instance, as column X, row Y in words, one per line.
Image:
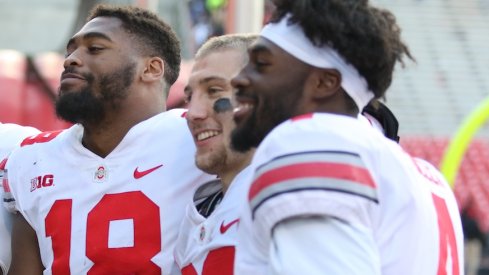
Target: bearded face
column 87, row 100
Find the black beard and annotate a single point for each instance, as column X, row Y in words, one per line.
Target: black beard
column 80, row 107
column 245, row 137
column 251, row 132
column 85, row 107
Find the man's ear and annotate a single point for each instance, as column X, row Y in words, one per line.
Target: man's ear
column 327, row 83
column 154, row 69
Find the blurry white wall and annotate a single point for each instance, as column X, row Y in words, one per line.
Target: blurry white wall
column 34, row 26
column 449, row 39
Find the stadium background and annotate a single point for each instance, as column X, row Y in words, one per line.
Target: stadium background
column 431, row 98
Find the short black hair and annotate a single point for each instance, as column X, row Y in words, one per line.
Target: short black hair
column 154, row 35
column 367, row 37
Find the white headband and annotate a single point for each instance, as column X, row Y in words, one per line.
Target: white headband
column 291, row 38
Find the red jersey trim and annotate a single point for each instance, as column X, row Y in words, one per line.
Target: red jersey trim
column 40, row 138
column 330, row 171
column 3, row 163
column 302, row 117
column 312, row 170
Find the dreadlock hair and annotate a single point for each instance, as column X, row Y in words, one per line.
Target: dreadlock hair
column 154, row 36
column 367, row 37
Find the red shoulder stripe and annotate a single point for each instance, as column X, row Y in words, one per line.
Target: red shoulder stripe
column 3, row 163
column 339, row 171
column 314, row 171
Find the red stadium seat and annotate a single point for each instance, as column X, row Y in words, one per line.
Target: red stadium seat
column 471, row 184
column 26, row 89
column 12, row 77
column 41, row 89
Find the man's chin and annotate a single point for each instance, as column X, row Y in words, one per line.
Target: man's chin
column 243, row 140
column 207, row 166
column 76, row 110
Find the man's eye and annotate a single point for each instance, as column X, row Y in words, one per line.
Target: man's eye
column 187, row 98
column 214, row 90
column 260, row 63
column 94, row 49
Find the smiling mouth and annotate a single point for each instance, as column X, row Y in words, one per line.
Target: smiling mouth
column 206, row 135
column 243, row 107
column 242, row 111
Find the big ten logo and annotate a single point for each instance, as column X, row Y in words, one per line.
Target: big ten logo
column 42, row 181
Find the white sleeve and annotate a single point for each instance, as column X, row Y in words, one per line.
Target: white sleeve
column 5, row 255
column 5, row 230
column 11, row 135
column 9, row 202
column 322, row 245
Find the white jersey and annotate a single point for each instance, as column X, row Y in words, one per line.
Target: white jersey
column 114, row 215
column 206, row 246
column 10, row 137
column 396, row 214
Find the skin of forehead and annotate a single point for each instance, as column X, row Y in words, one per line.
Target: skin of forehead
column 108, row 27
column 98, row 24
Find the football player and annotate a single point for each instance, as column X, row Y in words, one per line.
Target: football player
column 330, row 194
column 107, row 195
column 208, row 235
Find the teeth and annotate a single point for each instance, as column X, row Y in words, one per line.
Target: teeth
column 243, row 107
column 206, row 135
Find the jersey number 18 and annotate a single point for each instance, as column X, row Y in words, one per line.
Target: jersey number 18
column 125, row 260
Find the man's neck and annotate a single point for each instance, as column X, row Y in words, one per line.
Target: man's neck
column 228, row 176
column 103, row 137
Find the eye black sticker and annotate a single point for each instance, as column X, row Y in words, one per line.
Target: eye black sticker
column 222, row 105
